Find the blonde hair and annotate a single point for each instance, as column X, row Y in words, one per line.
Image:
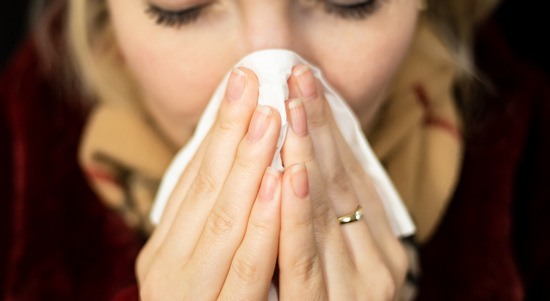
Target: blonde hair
column 96, row 58
column 95, row 54
column 454, row 21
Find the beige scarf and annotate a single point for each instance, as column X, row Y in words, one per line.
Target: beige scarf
column 416, row 136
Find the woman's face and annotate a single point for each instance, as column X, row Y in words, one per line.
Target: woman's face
column 179, row 50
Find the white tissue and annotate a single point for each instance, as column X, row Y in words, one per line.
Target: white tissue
column 273, row 68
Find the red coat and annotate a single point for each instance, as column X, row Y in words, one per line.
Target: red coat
column 59, row 242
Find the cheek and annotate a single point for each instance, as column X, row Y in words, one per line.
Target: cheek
column 362, row 64
column 168, row 82
column 175, row 74
column 178, row 80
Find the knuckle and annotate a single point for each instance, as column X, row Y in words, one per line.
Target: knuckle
column 354, row 168
column 305, row 266
column 261, row 226
column 386, row 289
column 320, row 295
column 246, row 269
column 322, row 215
column 221, row 222
column 316, row 117
column 299, row 223
column 205, row 184
column 228, row 124
column 244, row 161
column 339, row 177
column 309, row 159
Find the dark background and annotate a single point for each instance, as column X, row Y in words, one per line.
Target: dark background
column 13, row 27
column 526, row 25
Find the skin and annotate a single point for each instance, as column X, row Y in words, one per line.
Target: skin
column 230, row 217
column 178, row 69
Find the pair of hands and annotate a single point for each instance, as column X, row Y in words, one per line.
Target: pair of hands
column 229, row 220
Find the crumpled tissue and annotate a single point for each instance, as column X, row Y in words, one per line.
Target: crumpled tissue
column 273, row 67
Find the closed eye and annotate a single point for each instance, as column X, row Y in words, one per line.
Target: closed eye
column 359, row 10
column 178, row 18
column 175, row 18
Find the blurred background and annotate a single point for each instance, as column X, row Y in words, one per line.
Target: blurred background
column 526, row 26
column 14, row 25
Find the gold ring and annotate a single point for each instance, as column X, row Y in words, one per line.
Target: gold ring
column 351, row 217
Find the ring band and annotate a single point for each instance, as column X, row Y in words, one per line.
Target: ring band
column 351, row 217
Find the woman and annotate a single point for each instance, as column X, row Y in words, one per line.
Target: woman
column 151, row 67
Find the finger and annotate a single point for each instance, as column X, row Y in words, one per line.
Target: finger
column 300, row 268
column 175, row 200
column 360, row 245
column 348, row 174
column 252, row 267
column 334, row 174
column 181, row 188
column 226, row 223
column 219, row 147
column 227, row 133
column 336, row 257
column 323, row 131
column 293, row 90
column 339, row 245
column 298, row 148
column 374, row 213
column 364, row 187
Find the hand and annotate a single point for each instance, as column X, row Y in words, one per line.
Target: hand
column 218, row 237
column 320, row 259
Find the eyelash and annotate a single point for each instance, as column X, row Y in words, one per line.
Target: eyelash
column 174, row 18
column 179, row 18
column 357, row 11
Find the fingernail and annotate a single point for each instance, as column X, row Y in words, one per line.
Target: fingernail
column 269, row 185
column 297, row 114
column 306, row 82
column 236, row 85
column 259, row 123
column 299, row 180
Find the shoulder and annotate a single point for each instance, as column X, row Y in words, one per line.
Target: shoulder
column 55, row 228
column 497, row 218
